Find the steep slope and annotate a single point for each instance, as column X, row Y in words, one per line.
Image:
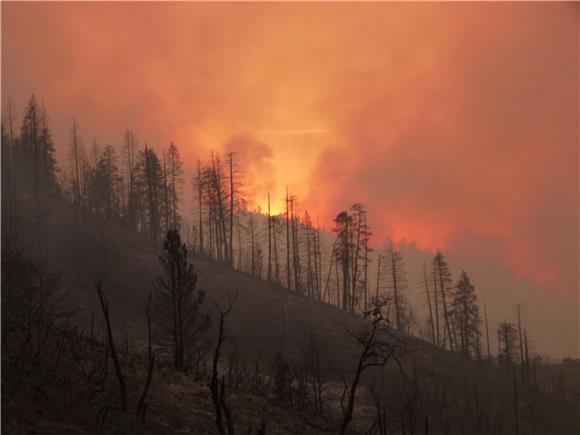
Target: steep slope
column 457, row 395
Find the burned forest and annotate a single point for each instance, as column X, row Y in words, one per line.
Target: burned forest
column 118, row 317
column 279, row 218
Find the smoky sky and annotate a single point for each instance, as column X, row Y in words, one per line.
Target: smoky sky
column 456, row 123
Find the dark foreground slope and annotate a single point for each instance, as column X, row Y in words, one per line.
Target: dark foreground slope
column 272, row 334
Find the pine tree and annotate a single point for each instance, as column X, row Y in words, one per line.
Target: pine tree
column 360, row 235
column 443, row 280
column 507, row 336
column 150, row 188
column 34, row 157
column 465, row 312
column 103, row 185
column 175, row 180
column 180, row 323
column 133, row 200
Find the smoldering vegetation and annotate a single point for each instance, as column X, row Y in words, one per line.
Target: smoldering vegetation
column 118, row 317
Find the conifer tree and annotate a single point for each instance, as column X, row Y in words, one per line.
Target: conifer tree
column 466, row 316
column 150, row 188
column 443, row 280
column 180, row 324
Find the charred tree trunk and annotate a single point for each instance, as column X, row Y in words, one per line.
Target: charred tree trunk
column 431, row 323
column 118, row 371
column 288, row 271
column 231, row 244
column 269, row 242
column 217, row 387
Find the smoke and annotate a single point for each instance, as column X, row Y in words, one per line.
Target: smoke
column 255, row 158
column 444, row 119
column 479, row 132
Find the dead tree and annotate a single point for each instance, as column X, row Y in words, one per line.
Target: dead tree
column 142, row 406
column 380, row 425
column 129, row 154
column 318, row 254
column 76, row 155
column 431, row 323
column 487, row 335
column 516, row 401
column 221, row 240
column 521, row 342
column 269, row 242
column 360, row 237
column 507, row 345
column 316, row 370
column 288, row 272
column 397, row 284
column 332, row 256
column 200, row 206
column 295, row 247
column 231, row 246
column 357, row 210
column 118, row 371
column 343, row 221
column 378, row 289
column 275, row 222
column 376, row 351
column 443, row 275
column 217, row 387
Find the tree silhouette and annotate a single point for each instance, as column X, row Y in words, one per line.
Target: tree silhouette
column 180, row 323
column 343, row 223
column 376, row 351
column 465, row 312
column 443, row 283
column 150, row 185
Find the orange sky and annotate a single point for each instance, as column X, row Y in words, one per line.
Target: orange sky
column 443, row 118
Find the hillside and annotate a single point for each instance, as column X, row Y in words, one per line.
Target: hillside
column 456, row 395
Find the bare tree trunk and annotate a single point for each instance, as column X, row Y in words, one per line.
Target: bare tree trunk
column 366, row 271
column 165, row 192
column 269, row 242
column 332, row 255
column 378, row 278
column 217, row 387
column 309, row 256
column 77, row 161
column 521, row 339
column 231, row 253
column 394, row 274
column 174, row 190
column 221, row 234
column 345, row 269
column 338, row 302
column 288, row 272
column 199, row 198
column 445, row 311
column 516, row 402
column 119, row 373
column 12, row 197
column 142, row 406
column 429, row 302
column 487, row 335
column 252, row 249
column 276, row 263
column 355, row 261
column 437, row 333
column 295, row 252
column 319, row 255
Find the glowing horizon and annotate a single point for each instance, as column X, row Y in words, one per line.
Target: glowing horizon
column 466, row 128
